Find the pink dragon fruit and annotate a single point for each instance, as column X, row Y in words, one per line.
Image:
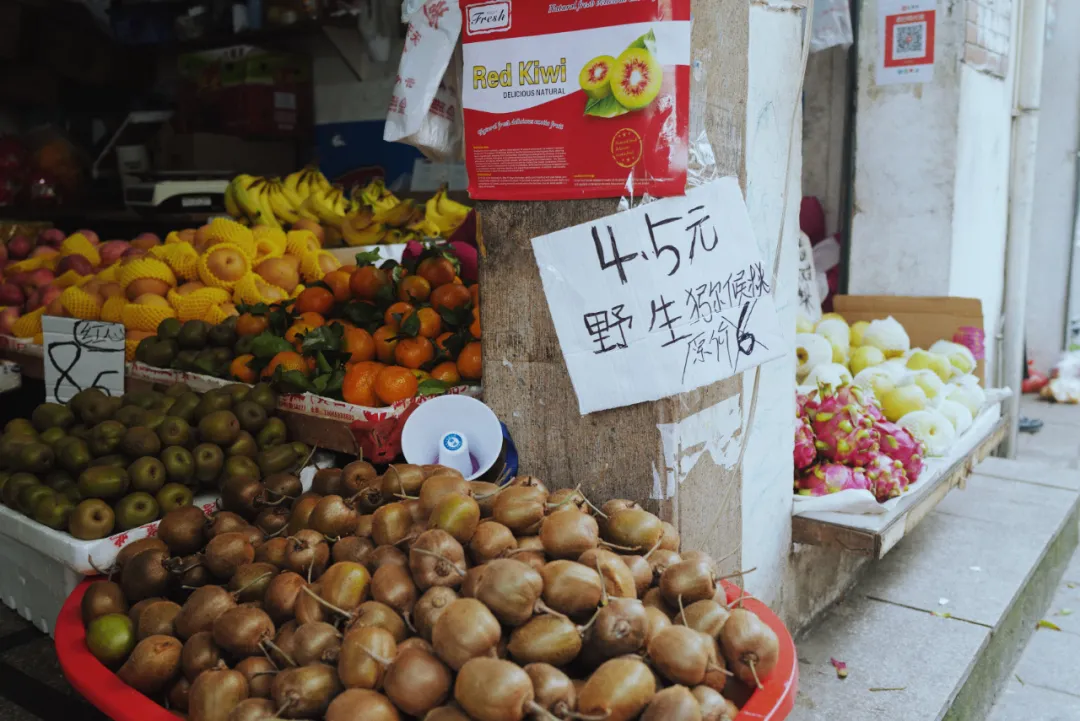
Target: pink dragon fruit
column 887, row 477
column 805, row 451
column 849, row 393
column 898, row 444
column 843, row 428
column 826, row 478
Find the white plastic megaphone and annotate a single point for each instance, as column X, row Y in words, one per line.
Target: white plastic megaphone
column 455, row 431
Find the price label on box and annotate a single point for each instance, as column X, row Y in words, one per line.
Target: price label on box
column 662, row 299
column 82, row 354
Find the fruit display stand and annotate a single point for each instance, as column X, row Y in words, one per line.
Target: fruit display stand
column 107, row 692
column 874, row 535
column 41, row 566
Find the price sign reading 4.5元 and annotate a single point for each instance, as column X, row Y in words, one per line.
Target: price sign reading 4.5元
column 660, row 300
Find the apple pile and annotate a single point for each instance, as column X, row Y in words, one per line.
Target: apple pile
column 932, row 393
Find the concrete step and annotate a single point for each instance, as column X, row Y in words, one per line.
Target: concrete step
column 934, row 629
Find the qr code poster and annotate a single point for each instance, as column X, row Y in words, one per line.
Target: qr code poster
column 906, row 30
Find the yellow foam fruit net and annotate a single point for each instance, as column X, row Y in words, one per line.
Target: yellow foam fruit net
column 273, row 237
column 216, row 314
column 207, row 276
column 39, row 339
column 144, row 317
column 182, row 258
column 301, row 242
column 110, row 274
column 145, row 268
column 195, row 305
column 112, row 307
column 247, row 291
column 130, row 346
column 224, row 230
column 79, row 244
column 297, row 291
column 25, row 266
column 28, row 325
column 50, row 261
column 173, row 237
column 80, row 304
column 67, row 279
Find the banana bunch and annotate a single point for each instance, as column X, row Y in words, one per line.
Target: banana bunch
column 305, row 181
column 276, row 203
column 445, row 214
column 246, row 197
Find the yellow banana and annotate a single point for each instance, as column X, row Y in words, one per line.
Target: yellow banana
column 371, row 235
column 265, row 214
column 245, row 193
column 291, row 186
column 319, row 181
column 451, row 208
column 446, row 224
column 425, row 228
column 230, row 203
column 283, row 209
column 322, row 205
column 399, row 215
column 291, row 196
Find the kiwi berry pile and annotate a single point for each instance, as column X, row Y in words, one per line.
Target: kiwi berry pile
column 99, row 464
column 420, row 595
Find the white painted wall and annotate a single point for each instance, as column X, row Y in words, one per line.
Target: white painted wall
column 824, row 132
column 773, row 103
column 1055, row 186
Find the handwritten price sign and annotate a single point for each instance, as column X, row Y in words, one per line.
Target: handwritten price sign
column 81, row 354
column 660, row 300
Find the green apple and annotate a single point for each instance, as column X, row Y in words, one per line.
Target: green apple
column 902, row 400
column 865, row 357
column 925, row 360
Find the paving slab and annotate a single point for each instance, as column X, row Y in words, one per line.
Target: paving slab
column 1010, row 503
column 858, row 632
column 1059, row 413
column 1055, row 443
column 1026, row 702
column 1052, row 660
column 1064, row 610
column 1045, row 474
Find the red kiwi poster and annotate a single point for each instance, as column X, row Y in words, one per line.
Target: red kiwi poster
column 576, row 98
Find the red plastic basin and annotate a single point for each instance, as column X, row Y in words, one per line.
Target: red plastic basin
column 103, row 689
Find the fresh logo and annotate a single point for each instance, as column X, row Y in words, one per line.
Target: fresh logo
column 453, row 442
column 490, row 17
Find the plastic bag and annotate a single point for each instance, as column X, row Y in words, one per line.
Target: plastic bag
column 425, row 110
column 831, row 26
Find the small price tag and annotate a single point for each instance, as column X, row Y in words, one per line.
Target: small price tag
column 662, row 299
column 82, row 354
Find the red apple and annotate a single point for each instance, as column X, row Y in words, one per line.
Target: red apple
column 11, row 294
column 55, row 307
column 19, row 247
column 146, row 241
column 19, row 279
column 133, row 253
column 44, row 251
column 52, row 237
column 111, row 251
column 41, row 277
column 8, row 316
column 42, row 296
column 3, row 255
column 90, row 235
column 78, row 263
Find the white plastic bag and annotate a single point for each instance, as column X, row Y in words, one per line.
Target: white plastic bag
column 425, row 110
column 832, row 25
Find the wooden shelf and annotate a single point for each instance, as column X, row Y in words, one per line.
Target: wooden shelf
column 874, row 536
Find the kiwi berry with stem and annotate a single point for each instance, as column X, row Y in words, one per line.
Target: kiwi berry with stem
column 301, row 512
column 466, row 629
column 223, row 522
column 571, row 588
column 352, row 548
column 239, row 495
column 281, row 487
column 674, row 703
column 491, row 540
column 617, row 691
column 670, row 539
column 327, row 481
column 316, row 643
column 251, row 580
column 436, row 488
column 430, row 607
column 345, row 585
column 357, row 475
column 310, row 608
column 620, row 627
column 393, row 586
column 390, row 524
column 244, row 631
column 685, row 656
column 750, row 646
column 102, row 598
column 307, row 553
column 520, row 508
column 361, row 703
column 366, row 653
column 386, row 556
column 135, row 612
column 641, row 571
column 374, row 613
column 546, row 638
column 279, row 599
column 183, row 530
column 305, row 692
column 490, row 689
column 458, row 515
column 259, row 672
column 284, row 644
column 472, row 579
column 253, row 708
column 530, row 551
column 273, row 551
column 714, row 707
column 226, row 552
column 272, row 521
column 618, row 580
column 511, row 589
column 436, row 559
column 633, row 529
column 333, row 517
column 402, row 479
column 706, row 616
column 553, row 690
column 199, row 654
column 660, row 560
column 152, row 665
column 157, row 619
column 417, row 682
column 215, row 693
column 569, row 533
column 134, row 548
column 145, row 575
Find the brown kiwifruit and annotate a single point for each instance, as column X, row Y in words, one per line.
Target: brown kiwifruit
column 215, row 693
column 571, row 588
column 530, row 551
column 239, row 495
column 674, row 703
column 553, row 689
column 490, row 689
column 152, row 665
column 642, row 572
column 451, row 712
column 189, row 572
column 417, row 682
column 226, row 552
column 253, row 534
column 259, row 672
column 437, row 487
column 687, row 582
column 669, row 539
column 357, row 475
column 465, row 630
column 284, row 644
column 280, row 486
column 458, row 515
column 366, row 653
column 618, row 580
column 393, row 586
column 199, row 653
column 569, row 533
column 471, row 581
column 436, row 559
column 157, row 619
column 223, row 522
column 309, row 606
column 658, row 620
column 183, row 530
column 528, row 482
column 401, row 480
column 145, row 575
column 491, row 540
column 279, row 599
column 621, row 627
column 430, row 606
column 565, row 499
column 374, row 613
column 273, row 551
column 485, row 494
column 706, row 616
column 307, row 553
column 417, row 643
column 352, row 548
column 610, row 508
column 135, row 612
column 316, row 643
column 364, row 525
column 362, row 703
column 243, row 631
column 617, row 691
column 390, row 524
column 327, row 481
column 545, row 639
column 681, row 655
column 633, row 528
column 134, row 548
column 750, row 646
column 714, row 707
column 511, row 589
column 386, row 556
column 437, row 469
column 370, row 498
column 520, row 508
column 201, row 609
column 251, row 580
column 253, row 709
column 332, row 517
column 344, row 586
column 305, row 692
column 301, row 512
column 659, row 561
column 654, row 598
column 272, row 520
column 177, row 695
column 102, row 598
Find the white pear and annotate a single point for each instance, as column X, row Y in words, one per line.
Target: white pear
column 960, row 356
column 875, row 379
column 902, row 400
column 803, row 324
column 832, row 374
column 810, row 350
column 928, row 380
column 833, row 316
column 836, row 331
column 889, row 336
column 957, row 413
column 865, row 357
column 971, row 397
column 858, row 328
column 932, row 428
column 920, row 359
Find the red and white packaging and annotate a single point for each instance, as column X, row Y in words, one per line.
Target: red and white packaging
column 533, row 131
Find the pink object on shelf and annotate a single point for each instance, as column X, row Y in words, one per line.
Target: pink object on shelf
column 974, row 339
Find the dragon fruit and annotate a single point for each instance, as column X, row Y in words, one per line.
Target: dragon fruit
column 805, row 451
column 842, row 425
column 898, row 444
column 887, row 477
column 826, row 478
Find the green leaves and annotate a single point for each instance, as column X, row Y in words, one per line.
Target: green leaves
column 363, row 315
column 607, row 107
column 645, row 42
column 410, row 327
column 326, row 338
column 255, row 309
column 432, row 387
column 291, row 381
column 368, row 257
